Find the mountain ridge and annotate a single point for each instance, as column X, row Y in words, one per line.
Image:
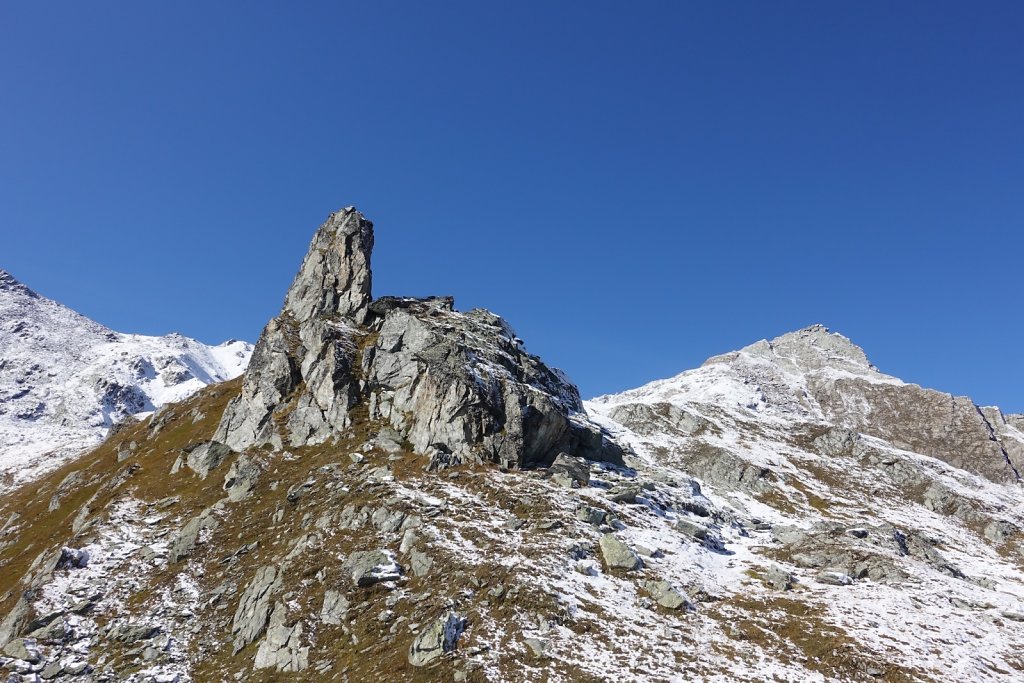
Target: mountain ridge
column 821, row 375
column 66, row 379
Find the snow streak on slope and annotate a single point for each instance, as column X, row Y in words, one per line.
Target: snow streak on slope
column 65, row 379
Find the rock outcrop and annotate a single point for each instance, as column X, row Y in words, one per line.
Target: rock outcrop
column 456, row 386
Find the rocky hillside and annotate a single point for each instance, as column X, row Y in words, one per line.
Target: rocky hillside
column 397, row 490
column 65, row 380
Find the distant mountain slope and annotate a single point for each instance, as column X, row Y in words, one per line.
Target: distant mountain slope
column 813, row 375
column 65, row 379
column 890, row 512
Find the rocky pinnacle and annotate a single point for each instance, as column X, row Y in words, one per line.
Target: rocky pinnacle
column 335, row 277
column 455, row 386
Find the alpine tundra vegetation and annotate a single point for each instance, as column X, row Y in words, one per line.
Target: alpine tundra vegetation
column 397, row 490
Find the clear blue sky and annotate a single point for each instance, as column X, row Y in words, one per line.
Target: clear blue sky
column 635, row 186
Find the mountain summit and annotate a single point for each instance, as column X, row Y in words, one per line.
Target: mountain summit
column 815, row 375
column 811, row 348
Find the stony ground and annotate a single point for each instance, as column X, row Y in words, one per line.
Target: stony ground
column 351, row 560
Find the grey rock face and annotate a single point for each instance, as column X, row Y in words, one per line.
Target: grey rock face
column 282, row 647
column 658, row 418
column 316, row 353
column 836, row 441
column 334, row 609
column 811, row 348
column 241, row 478
column 439, row 637
column 206, row 456
column 187, row 538
column 335, row 277
column 950, row 428
column 871, row 553
column 16, row 619
column 68, row 484
column 845, row 390
column 618, row 555
column 455, row 386
column 253, row 611
column 719, row 467
column 460, row 383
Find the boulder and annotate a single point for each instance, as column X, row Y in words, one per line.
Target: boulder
column 698, row 531
column 439, row 637
column 538, row 646
column 186, row 540
column 420, row 562
column 72, row 558
column 590, row 515
column 624, row 494
column 834, row 577
column 206, row 456
column 778, row 578
column 569, row 471
column 128, row 632
column 663, row 593
column 369, row 567
column 618, row 555
column 24, row 649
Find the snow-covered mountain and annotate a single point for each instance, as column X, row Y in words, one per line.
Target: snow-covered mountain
column 65, row 379
column 397, row 490
column 888, row 515
column 816, row 376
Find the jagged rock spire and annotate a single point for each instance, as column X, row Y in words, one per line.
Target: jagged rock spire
column 335, row 277
column 455, row 386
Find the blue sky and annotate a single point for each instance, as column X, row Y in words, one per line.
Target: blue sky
column 635, row 186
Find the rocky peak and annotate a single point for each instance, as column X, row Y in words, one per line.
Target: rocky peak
column 335, row 277
column 817, row 375
column 456, row 386
column 813, row 348
column 8, row 283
